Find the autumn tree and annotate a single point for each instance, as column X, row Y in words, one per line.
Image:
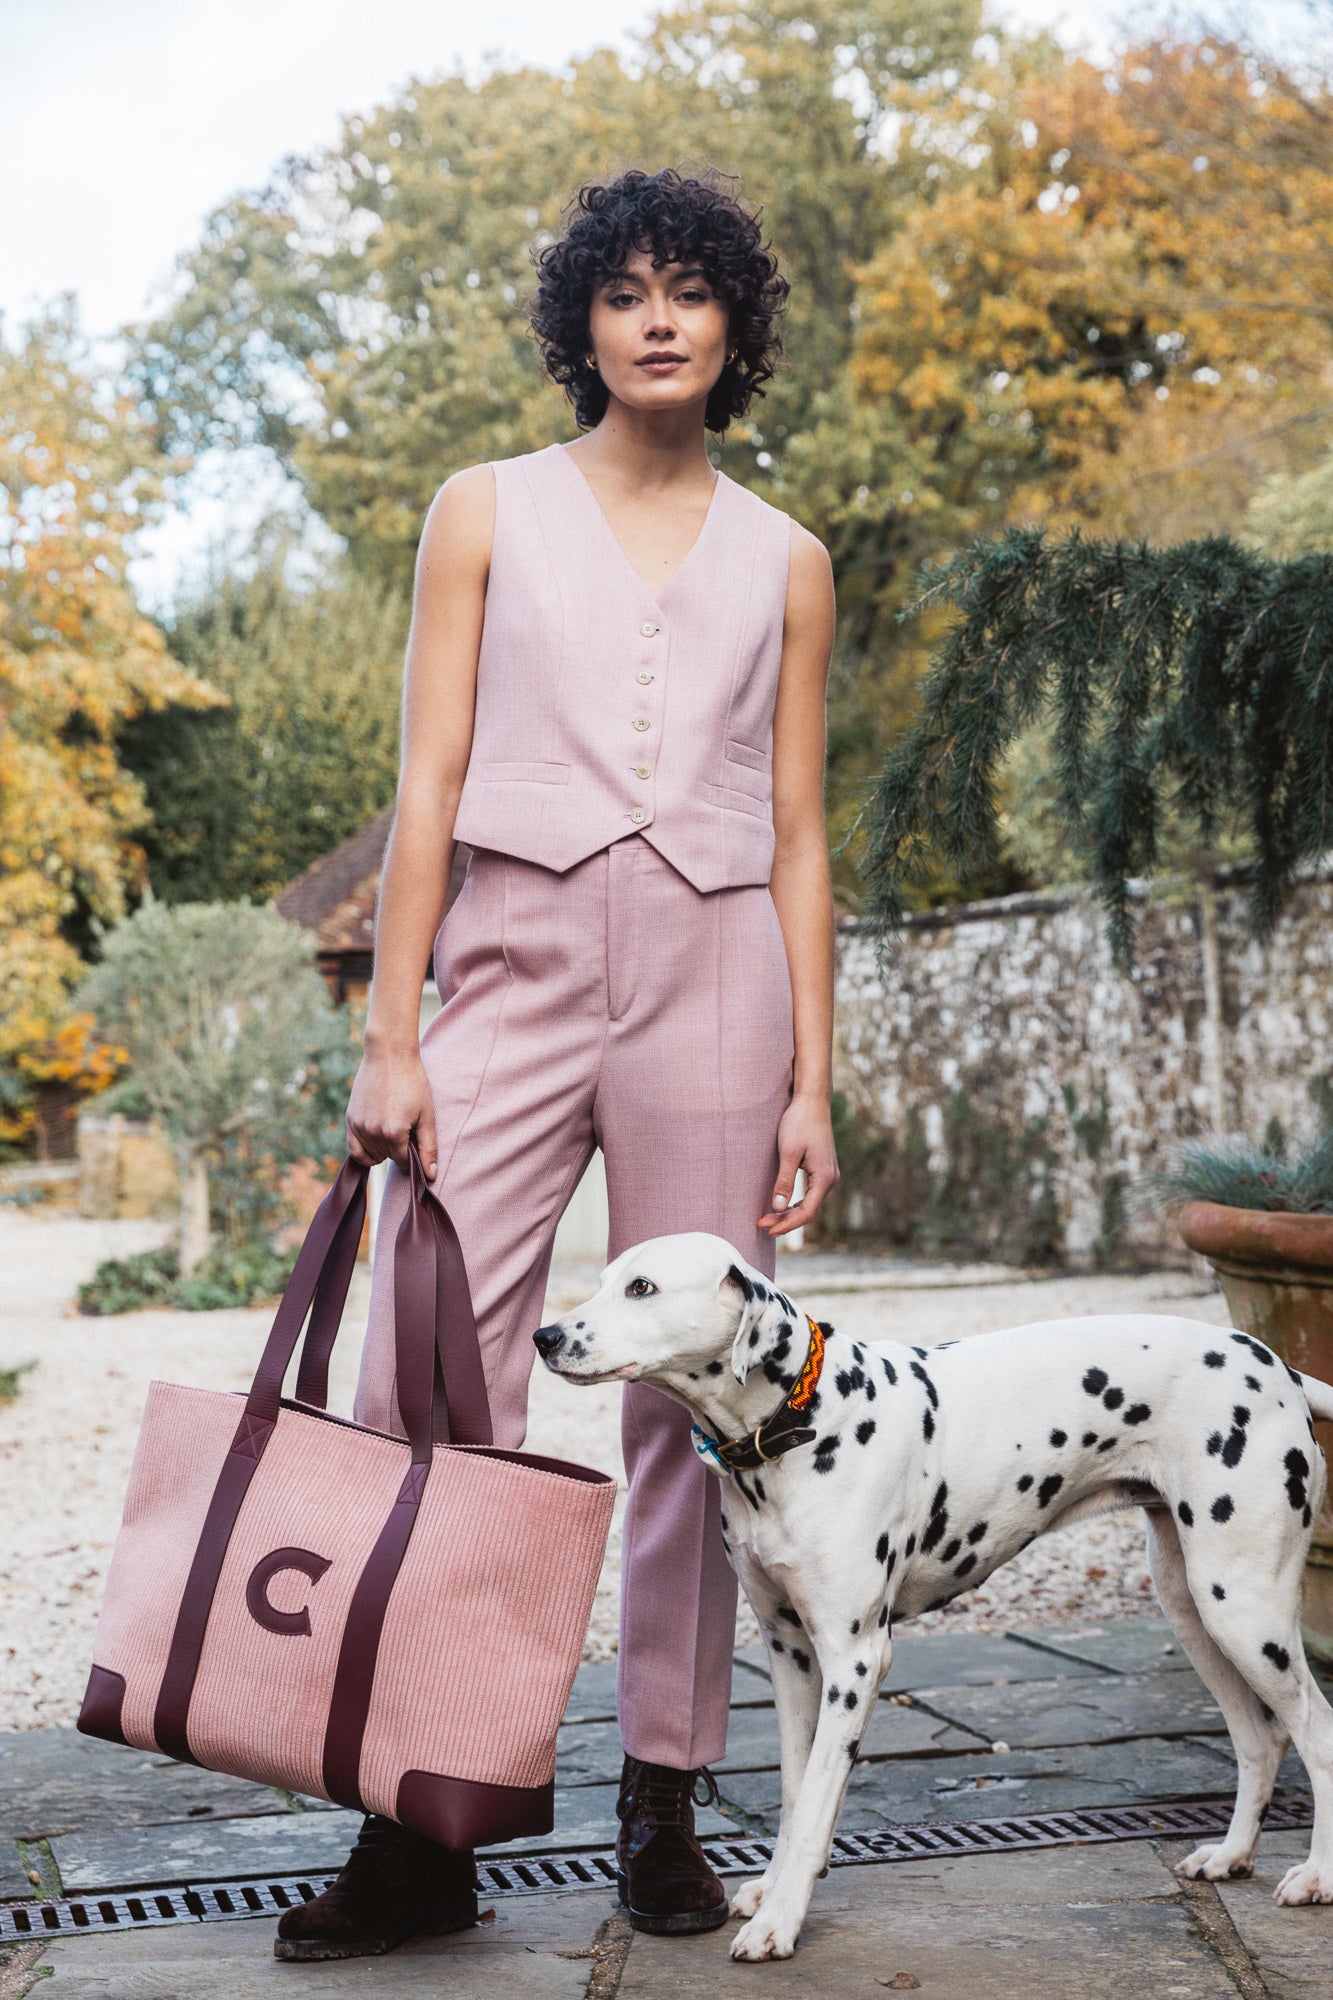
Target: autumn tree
column 78, row 471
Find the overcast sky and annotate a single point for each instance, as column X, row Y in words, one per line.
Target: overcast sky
column 130, row 119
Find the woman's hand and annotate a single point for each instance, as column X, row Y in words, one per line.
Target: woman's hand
column 805, row 1139
column 390, row 1103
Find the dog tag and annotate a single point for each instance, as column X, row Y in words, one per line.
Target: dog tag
column 707, row 1451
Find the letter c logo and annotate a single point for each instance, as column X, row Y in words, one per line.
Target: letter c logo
column 263, row 1573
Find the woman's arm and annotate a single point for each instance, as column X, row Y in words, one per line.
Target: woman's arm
column 800, row 885
column 390, row 1097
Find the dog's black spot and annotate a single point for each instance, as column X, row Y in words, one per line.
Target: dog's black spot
column 848, row 1379
column 888, row 1567
column 812, row 1407
column 1089, row 1437
column 976, row 1532
column 1137, row 1413
column 1048, row 1489
column 776, row 1645
column 1212, row 1359
column 909, row 1546
column 1240, row 1415
column 1218, row 1592
column 938, row 1525
column 1113, row 1399
column 1095, row 1381
column 759, row 1489
column 1107, row 1444
column 1298, row 1471
column 1025, row 1482
column 754, row 1336
column 713, row 1368
column 858, row 1352
column 860, row 1665
column 927, row 1425
column 936, row 1602
column 1058, row 1438
column 800, row 1659
column 855, row 1627
column 825, row 1327
column 865, row 1431
column 741, row 1282
column 1222, row 1508
column 778, row 1376
column 784, row 1328
column 1186, row 1513
column 792, row 1617
column 920, row 1352
column 930, row 1388
column 690, row 1375
column 1294, row 1374
column 890, row 1371
column 1234, row 1448
column 871, row 1391
column 940, row 1497
column 826, row 1451
column 950, row 1550
column 1279, row 1655
column 881, row 1548
column 852, row 1749
column 833, row 1695
column 883, row 1614
column 1257, row 1349
column 851, row 1698
column 1253, row 1382
column 749, row 1497
column 1214, row 1444
column 968, row 1564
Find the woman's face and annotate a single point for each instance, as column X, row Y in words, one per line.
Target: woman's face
column 659, row 337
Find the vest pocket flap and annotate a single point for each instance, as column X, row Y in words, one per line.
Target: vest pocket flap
column 735, row 801
column 523, row 774
column 745, row 753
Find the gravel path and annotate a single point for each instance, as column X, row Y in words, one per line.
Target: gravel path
column 66, row 1442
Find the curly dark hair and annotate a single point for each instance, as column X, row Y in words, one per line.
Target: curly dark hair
column 677, row 219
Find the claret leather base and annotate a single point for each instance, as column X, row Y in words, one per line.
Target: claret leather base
column 394, row 1885
column 664, row 1877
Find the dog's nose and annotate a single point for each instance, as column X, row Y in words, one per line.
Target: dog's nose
column 548, row 1340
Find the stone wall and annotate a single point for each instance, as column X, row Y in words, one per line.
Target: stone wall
column 1006, row 1088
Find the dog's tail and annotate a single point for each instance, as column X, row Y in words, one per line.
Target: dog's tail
column 1319, row 1395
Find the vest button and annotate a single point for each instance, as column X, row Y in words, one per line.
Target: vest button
column 638, row 815
column 641, row 722
column 643, row 770
column 648, row 629
column 643, row 677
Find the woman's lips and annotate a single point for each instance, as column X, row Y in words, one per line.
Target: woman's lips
column 661, row 364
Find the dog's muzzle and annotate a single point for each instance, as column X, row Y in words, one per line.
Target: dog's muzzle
column 548, row 1341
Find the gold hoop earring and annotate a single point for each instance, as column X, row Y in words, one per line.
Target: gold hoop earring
column 589, row 362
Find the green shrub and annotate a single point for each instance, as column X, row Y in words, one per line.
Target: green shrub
column 11, row 1380
column 1239, row 1174
column 245, row 1274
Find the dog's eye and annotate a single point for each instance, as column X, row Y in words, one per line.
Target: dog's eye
column 640, row 1288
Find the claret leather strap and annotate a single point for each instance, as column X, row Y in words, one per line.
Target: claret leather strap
column 787, row 1427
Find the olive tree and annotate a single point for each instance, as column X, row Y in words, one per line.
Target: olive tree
column 225, row 1018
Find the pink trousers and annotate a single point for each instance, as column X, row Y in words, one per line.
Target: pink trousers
column 615, row 1006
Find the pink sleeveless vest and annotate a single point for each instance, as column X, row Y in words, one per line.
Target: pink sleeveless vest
column 602, row 711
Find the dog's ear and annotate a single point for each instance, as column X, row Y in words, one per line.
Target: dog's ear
column 764, row 1330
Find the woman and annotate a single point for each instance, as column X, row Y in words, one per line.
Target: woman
column 615, row 695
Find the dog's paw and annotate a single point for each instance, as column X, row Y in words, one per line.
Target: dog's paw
column 749, row 1896
column 1218, row 1863
column 765, row 1936
column 1307, row 1882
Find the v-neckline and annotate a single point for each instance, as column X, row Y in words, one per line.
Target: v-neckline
column 618, row 545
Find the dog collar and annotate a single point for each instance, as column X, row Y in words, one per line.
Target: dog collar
column 782, row 1432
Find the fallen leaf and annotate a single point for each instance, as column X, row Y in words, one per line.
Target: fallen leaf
column 901, row 1982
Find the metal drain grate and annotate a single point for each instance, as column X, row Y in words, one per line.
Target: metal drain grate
column 543, row 1874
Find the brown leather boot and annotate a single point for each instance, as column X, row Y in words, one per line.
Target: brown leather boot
column 665, row 1881
column 394, row 1885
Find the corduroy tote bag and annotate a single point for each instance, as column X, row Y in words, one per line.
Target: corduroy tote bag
column 389, row 1623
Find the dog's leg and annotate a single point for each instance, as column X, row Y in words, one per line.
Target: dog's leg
column 852, row 1675
column 1257, row 1738
column 796, row 1691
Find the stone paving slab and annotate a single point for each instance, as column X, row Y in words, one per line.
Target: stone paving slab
column 1293, row 1949
column 204, row 1851
column 1129, row 1646
column 996, row 1787
column 949, row 1659
column 534, row 1948
column 1101, row 1708
column 55, row 1779
column 593, row 1753
column 1016, row 1927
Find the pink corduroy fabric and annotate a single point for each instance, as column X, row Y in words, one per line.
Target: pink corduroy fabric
column 602, row 709
column 612, row 1005
column 483, row 1631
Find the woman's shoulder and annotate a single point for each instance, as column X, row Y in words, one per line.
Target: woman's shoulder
column 806, row 549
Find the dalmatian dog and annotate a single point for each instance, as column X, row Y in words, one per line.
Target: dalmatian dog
column 876, row 1481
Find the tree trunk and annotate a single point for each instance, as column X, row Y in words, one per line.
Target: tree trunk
column 1214, row 1074
column 194, row 1226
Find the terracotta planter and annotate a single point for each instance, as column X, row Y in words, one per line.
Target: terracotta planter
column 1277, row 1274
